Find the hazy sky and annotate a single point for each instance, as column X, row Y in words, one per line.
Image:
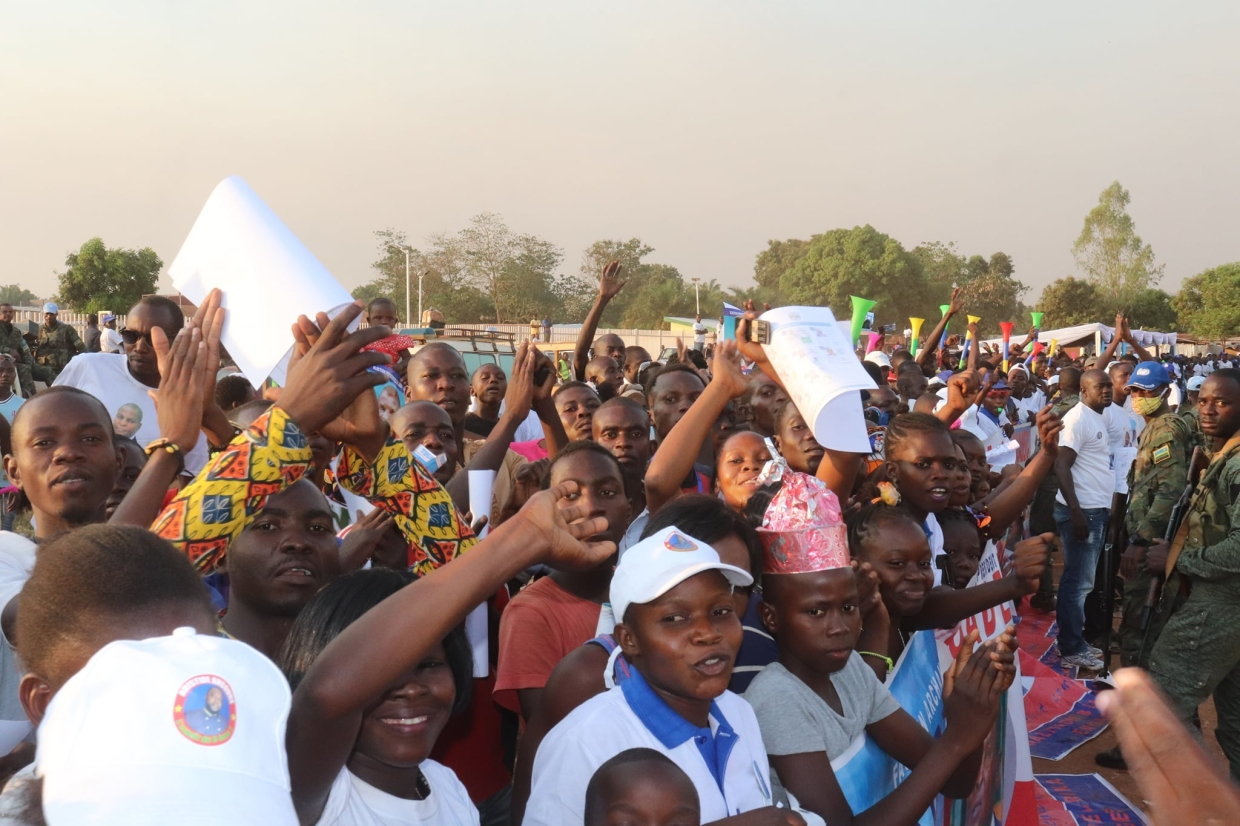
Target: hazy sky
column 702, row 128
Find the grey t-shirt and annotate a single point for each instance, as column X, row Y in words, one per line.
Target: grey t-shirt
column 795, row 720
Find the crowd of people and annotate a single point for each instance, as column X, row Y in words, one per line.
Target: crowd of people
column 245, row 606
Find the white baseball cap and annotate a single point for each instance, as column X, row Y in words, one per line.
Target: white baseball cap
column 1195, row 383
column 186, row 729
column 878, row 357
column 50, row 307
column 659, row 563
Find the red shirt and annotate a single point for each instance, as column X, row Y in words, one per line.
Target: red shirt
column 537, row 629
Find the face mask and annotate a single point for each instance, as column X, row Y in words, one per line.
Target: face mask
column 1146, row 406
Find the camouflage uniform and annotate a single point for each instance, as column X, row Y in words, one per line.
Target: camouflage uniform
column 1199, row 649
column 1155, row 483
column 55, row 347
column 1189, row 414
column 11, row 341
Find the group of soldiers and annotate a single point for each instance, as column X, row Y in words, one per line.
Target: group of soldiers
column 1181, row 567
column 40, row 357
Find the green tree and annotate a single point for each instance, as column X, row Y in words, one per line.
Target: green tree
column 1070, row 301
column 15, row 294
column 1207, row 305
column 1001, row 264
column 98, row 278
column 943, row 267
column 1151, row 310
column 860, row 261
column 778, row 258
column 1110, row 253
column 994, row 298
column 441, row 269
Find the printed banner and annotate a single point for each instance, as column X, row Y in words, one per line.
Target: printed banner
column 1083, row 800
column 1061, row 711
column 1005, row 791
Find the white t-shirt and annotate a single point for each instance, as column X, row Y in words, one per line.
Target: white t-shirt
column 1086, row 433
column 699, row 333
column 106, row 377
column 1123, row 429
column 8, row 409
column 1034, row 402
column 608, row 724
column 354, row 802
column 17, row 554
column 110, row 341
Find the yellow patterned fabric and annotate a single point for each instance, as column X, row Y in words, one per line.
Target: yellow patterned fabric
column 227, row 495
column 423, row 510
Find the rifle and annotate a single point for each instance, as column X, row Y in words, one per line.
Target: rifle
column 1115, row 529
column 1154, row 594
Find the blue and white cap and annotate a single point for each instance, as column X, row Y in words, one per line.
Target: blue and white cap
column 1149, row 375
column 50, row 307
column 659, row 563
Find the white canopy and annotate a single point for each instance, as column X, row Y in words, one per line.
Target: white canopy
column 1086, row 333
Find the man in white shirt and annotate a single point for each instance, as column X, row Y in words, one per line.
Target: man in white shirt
column 111, row 341
column 122, row 382
column 1123, row 425
column 1025, row 397
column 699, row 333
column 1082, row 508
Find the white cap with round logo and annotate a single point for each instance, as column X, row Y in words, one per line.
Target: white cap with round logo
column 659, row 563
column 186, row 729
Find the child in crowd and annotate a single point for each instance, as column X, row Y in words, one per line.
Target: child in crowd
column 599, row 664
column 679, row 631
column 819, row 696
column 641, row 786
column 372, row 694
column 962, row 546
column 559, row 612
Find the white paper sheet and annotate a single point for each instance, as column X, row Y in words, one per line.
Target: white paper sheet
column 266, row 274
column 811, row 353
column 481, row 483
column 479, row 640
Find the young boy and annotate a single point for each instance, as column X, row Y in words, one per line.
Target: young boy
column 679, row 630
column 558, row 613
column 641, row 786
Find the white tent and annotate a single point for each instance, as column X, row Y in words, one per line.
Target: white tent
column 1094, row 333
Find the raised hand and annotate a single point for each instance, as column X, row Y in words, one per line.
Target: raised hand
column 956, row 302
column 973, row 705
column 751, row 350
column 1029, row 559
column 210, row 320
column 520, row 394
column 179, row 400
column 1049, row 427
column 564, row 531
column 871, row 599
column 326, row 377
column 725, row 369
column 359, row 544
column 609, row 283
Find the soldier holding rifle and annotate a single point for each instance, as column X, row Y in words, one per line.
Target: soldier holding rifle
column 1157, row 481
column 1198, row 651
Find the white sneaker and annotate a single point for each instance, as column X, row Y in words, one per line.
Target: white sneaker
column 1085, row 660
column 1097, row 652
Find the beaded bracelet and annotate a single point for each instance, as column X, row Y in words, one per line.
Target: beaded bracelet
column 891, row 665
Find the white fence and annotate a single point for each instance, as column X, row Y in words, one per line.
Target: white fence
column 653, row 340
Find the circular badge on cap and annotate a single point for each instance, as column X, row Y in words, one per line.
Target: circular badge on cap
column 205, row 711
column 679, row 542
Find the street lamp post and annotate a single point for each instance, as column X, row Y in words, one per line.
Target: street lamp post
column 408, row 321
column 420, row 277
column 697, row 295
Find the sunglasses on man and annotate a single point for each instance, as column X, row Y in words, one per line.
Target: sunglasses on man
column 132, row 337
